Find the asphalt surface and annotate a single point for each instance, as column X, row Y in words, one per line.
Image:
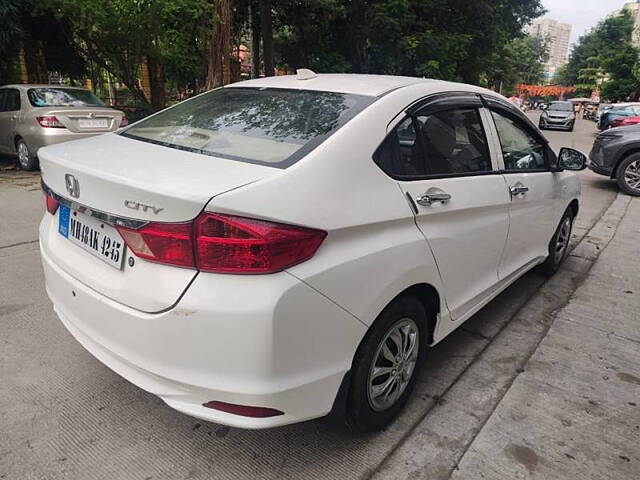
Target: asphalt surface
column 63, row 415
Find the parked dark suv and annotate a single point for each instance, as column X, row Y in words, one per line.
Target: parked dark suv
column 616, row 154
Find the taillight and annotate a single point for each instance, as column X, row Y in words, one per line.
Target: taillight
column 169, row 243
column 49, row 121
column 231, row 244
column 50, row 202
column 225, row 244
column 124, row 121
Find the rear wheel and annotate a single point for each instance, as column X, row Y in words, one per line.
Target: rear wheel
column 26, row 159
column 559, row 244
column 628, row 175
column 385, row 366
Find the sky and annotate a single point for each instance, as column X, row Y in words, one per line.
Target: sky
column 582, row 14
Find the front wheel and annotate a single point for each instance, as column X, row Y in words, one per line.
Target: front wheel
column 628, row 176
column 385, row 366
column 559, row 244
column 26, row 159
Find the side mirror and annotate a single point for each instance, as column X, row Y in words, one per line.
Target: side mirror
column 570, row 159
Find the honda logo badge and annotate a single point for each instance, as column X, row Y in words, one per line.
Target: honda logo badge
column 73, row 187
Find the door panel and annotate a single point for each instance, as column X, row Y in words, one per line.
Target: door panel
column 531, row 217
column 466, row 233
column 526, row 158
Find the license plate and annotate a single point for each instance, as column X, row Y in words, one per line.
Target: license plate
column 93, row 122
column 98, row 238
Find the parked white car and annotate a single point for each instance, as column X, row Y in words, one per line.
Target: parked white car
column 281, row 248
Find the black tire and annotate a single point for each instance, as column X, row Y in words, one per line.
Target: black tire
column 361, row 412
column 540, row 126
column 25, row 160
column 628, row 167
column 555, row 258
column 573, row 126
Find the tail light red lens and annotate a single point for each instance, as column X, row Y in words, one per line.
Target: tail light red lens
column 169, row 243
column 243, row 410
column 49, row 121
column 242, row 245
column 124, row 121
column 50, row 202
column 225, row 244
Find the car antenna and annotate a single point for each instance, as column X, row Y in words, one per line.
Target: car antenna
column 305, row 74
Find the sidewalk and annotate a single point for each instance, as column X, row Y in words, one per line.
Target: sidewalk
column 566, row 406
column 575, row 410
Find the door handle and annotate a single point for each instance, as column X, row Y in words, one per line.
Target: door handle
column 518, row 190
column 427, row 199
column 13, row 117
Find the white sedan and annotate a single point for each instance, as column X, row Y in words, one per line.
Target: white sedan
column 281, row 248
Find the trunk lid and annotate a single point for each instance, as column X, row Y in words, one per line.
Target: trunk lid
column 134, row 180
column 86, row 119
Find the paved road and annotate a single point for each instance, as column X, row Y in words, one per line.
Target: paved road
column 63, row 415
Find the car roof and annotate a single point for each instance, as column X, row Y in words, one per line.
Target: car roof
column 38, row 85
column 350, row 83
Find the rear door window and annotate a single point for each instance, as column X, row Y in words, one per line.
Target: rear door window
column 12, row 100
column 268, row 126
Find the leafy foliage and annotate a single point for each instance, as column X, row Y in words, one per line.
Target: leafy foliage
column 606, row 56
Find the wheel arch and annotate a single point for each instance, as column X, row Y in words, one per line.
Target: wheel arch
column 621, row 158
column 430, row 299
column 574, row 205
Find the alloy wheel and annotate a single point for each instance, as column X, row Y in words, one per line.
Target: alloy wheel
column 23, row 155
column 393, row 364
column 632, row 175
column 562, row 243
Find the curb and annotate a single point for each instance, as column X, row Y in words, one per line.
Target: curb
column 436, row 444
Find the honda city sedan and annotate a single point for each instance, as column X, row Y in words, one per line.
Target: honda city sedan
column 284, row 248
column 33, row 116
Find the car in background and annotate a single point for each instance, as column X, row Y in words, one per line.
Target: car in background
column 624, row 122
column 33, row 116
column 616, row 154
column 558, row 115
column 603, row 107
column 618, row 111
column 280, row 248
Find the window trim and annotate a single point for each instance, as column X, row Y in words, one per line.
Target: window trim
column 413, row 112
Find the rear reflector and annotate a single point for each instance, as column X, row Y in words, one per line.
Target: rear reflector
column 225, row 244
column 49, row 121
column 243, row 410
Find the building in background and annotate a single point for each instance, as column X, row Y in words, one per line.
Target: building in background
column 557, row 35
column 634, row 9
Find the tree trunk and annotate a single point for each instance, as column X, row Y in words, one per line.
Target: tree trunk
column 267, row 37
column 255, row 42
column 41, row 64
column 158, row 93
column 24, row 72
column 219, row 69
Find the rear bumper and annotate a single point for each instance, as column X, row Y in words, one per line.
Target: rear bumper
column 268, row 341
column 38, row 137
column 599, row 170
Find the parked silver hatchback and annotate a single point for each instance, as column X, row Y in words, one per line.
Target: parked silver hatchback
column 33, row 116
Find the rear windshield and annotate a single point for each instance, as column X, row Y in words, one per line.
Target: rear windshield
column 561, row 106
column 274, row 127
column 63, row 97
